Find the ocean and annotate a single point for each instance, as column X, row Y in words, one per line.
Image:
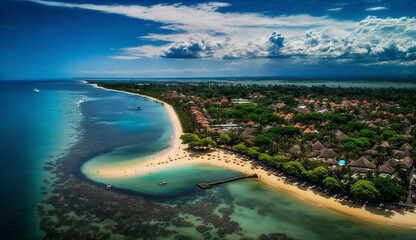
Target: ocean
column 35, row 128
column 47, row 137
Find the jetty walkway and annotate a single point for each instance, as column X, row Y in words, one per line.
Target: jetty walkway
column 208, row 185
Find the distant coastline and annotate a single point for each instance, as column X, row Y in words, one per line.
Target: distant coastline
column 383, row 78
column 347, row 82
column 176, row 156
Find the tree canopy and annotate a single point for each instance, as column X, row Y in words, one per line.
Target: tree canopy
column 194, row 141
column 366, row 118
column 331, row 184
column 225, row 138
column 262, row 139
column 364, row 189
column 389, row 188
column 294, row 168
column 241, row 148
column 253, row 152
column 264, row 157
column 318, row 174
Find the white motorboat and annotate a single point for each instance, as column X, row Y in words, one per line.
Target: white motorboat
column 163, row 183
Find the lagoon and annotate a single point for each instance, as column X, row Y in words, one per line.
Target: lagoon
column 69, row 124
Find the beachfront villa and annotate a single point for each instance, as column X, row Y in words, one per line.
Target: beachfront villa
column 240, row 101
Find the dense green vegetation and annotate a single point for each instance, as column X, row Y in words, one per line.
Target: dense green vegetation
column 194, row 141
column 259, row 114
column 280, row 125
column 332, row 184
column 365, row 190
column 389, row 188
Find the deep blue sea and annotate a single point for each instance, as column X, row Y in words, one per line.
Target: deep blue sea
column 34, row 128
column 42, row 135
column 38, row 127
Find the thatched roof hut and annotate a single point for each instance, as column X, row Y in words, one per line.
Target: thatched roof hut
column 317, row 146
column 406, row 147
column 363, row 158
column 391, row 162
column 386, row 169
column 400, row 154
column 407, row 163
column 312, row 154
column 362, row 165
column 374, row 160
column 327, row 153
column 247, row 134
column 406, row 153
column 331, row 161
column 372, row 152
column 340, row 135
column 295, row 149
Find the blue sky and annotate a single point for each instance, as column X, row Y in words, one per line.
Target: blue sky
column 142, row 38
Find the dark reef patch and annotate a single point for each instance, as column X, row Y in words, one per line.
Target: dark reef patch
column 78, row 208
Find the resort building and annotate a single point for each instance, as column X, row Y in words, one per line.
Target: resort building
column 240, row 101
column 362, row 165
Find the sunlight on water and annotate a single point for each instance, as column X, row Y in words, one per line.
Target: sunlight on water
column 180, row 180
column 96, row 123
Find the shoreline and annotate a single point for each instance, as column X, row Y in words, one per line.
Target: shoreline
column 177, row 155
column 176, row 124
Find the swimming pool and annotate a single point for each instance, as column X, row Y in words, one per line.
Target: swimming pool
column 341, row 162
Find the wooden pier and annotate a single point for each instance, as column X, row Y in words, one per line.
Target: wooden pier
column 208, row 185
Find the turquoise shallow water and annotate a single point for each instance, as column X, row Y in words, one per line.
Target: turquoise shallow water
column 131, row 153
column 181, row 181
column 40, row 128
column 277, row 211
column 252, row 203
column 257, row 208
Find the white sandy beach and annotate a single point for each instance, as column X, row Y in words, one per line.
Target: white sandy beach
column 177, row 155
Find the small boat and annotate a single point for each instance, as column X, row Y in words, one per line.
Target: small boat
column 163, row 183
column 136, row 108
column 36, row 90
column 108, row 187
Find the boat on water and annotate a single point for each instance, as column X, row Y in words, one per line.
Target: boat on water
column 136, row 108
column 108, row 187
column 36, row 90
column 163, row 183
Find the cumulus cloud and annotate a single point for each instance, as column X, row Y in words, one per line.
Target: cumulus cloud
column 191, row 49
column 335, row 9
column 201, row 47
column 372, row 9
column 147, row 71
column 374, row 41
column 231, row 35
